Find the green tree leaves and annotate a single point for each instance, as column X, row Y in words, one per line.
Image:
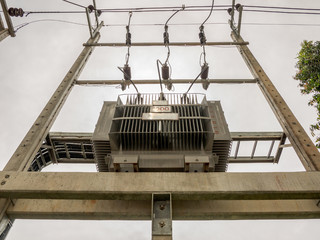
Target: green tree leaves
column 308, row 75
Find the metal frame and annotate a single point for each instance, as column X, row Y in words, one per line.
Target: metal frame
column 174, row 81
column 4, row 32
column 212, row 196
column 153, row 44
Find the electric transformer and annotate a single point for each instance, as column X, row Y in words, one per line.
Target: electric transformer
column 161, row 132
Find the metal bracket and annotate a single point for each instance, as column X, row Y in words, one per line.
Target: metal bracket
column 196, row 164
column 161, row 216
column 125, row 163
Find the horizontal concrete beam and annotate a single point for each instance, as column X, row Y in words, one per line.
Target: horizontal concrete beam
column 149, row 44
column 182, row 210
column 174, row 81
column 140, row 186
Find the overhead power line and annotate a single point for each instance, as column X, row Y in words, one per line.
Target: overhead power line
column 22, row 25
column 248, row 8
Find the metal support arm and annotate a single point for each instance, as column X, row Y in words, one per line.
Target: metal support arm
column 302, row 144
column 30, row 145
column 152, row 44
column 174, row 81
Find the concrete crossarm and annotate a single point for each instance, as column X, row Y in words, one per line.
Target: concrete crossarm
column 140, row 186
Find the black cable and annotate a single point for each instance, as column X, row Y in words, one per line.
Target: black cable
column 157, row 8
column 129, row 79
column 286, row 8
column 204, row 69
column 120, row 11
column 209, row 14
column 217, row 23
column 283, row 12
column 76, row 4
column 47, row 20
column 183, row 7
column 187, row 8
column 158, row 61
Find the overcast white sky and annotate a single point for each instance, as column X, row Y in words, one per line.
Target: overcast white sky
column 33, row 64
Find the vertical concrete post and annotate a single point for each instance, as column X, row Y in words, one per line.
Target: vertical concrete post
column 31, row 143
column 8, row 18
column 302, row 144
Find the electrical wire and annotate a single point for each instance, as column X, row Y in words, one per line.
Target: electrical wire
column 22, row 25
column 176, row 24
column 285, row 8
column 158, row 61
column 282, row 12
column 216, row 23
column 183, row 7
column 128, row 38
column 204, row 69
column 209, row 14
column 76, row 4
column 129, row 79
column 187, row 8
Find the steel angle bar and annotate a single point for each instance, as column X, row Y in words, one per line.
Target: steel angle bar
column 151, row 44
column 174, row 81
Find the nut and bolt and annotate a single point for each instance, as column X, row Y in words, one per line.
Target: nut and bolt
column 162, row 224
column 3, row 182
column 162, row 206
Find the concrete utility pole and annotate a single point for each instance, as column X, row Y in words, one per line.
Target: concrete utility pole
column 5, row 32
column 157, row 196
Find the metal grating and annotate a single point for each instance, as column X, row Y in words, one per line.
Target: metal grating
column 172, row 98
column 101, row 149
column 222, row 149
column 41, row 160
column 130, row 132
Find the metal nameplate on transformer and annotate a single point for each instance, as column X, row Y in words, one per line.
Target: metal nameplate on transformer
column 161, row 109
column 160, row 116
column 159, row 102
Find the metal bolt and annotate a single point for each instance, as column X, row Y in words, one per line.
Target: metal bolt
column 7, row 176
column 162, row 206
column 197, row 160
column 125, row 160
column 3, row 182
column 162, row 224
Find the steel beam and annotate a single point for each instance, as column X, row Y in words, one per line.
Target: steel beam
column 181, row 210
column 140, row 186
column 174, row 81
column 31, row 143
column 153, row 44
column 8, row 18
column 257, row 159
column 256, row 136
column 302, row 144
